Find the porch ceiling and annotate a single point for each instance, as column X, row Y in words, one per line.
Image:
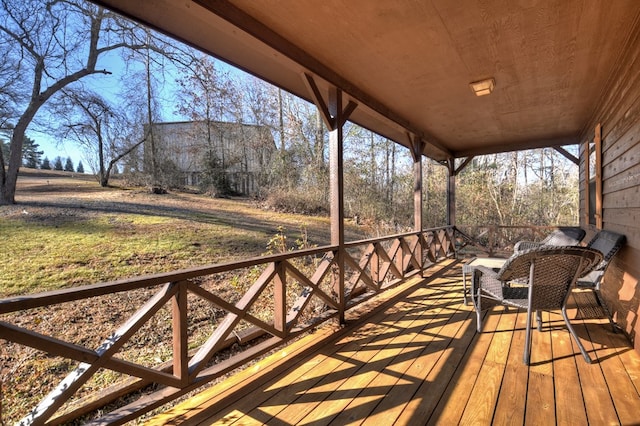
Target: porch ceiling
column 408, row 64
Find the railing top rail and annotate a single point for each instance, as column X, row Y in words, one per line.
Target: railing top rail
column 49, row 298
column 394, row 236
column 515, row 226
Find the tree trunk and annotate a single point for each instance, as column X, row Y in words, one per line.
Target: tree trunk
column 281, row 125
column 372, row 160
column 152, row 142
column 392, row 188
column 104, row 179
column 9, row 178
column 319, row 142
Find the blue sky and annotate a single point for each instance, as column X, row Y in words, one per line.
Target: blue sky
column 108, row 86
column 105, row 85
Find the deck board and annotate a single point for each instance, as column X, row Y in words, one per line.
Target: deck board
column 510, row 407
column 598, row 402
column 441, row 365
column 392, row 337
column 454, row 400
column 540, row 404
column 419, row 360
column 434, row 342
column 488, row 383
column 373, row 399
column 624, row 394
column 570, row 407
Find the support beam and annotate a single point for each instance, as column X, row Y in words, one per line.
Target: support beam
column 587, row 196
column 335, row 116
column 318, row 100
column 464, row 164
column 511, row 146
column 451, row 186
column 417, row 146
column 336, row 182
column 180, row 334
column 451, row 192
column 597, row 139
column 568, row 155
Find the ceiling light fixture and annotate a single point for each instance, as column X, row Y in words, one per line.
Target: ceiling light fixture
column 483, row 87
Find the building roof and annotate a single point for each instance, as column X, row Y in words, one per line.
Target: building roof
column 408, row 63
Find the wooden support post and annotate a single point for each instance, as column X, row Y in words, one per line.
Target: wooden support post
column 280, row 297
column 593, row 196
column 587, row 165
column 451, row 193
column 335, row 116
column 180, row 337
column 336, row 182
column 375, row 268
column 597, row 139
column 417, row 146
column 336, row 167
column 569, row 156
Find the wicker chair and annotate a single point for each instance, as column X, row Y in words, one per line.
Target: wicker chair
column 563, row 236
column 608, row 243
column 550, row 273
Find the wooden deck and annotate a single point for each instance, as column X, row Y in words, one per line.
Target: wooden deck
column 417, row 359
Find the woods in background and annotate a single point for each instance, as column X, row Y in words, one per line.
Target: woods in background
column 152, row 79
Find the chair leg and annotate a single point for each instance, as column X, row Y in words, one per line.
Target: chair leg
column 527, row 340
column 479, row 321
column 575, row 336
column 464, row 287
column 539, row 319
column 475, row 299
column 603, row 305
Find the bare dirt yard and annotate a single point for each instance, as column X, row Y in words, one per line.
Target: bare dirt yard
column 67, row 231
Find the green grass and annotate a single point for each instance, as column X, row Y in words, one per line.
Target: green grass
column 42, row 256
column 67, row 231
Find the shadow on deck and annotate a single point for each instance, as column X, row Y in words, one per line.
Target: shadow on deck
column 417, row 359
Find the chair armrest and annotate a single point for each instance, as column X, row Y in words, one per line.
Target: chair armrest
column 591, row 280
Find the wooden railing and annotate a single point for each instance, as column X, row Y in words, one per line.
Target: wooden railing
column 498, row 240
column 275, row 299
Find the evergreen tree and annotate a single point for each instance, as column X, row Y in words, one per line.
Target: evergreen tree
column 68, row 166
column 57, row 164
column 80, row 168
column 30, row 154
column 45, row 165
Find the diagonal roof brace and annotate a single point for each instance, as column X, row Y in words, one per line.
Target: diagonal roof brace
column 266, row 35
column 329, row 118
column 568, row 155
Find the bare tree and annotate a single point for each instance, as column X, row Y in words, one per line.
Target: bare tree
column 51, row 45
column 144, row 111
column 207, row 96
column 8, row 100
column 101, row 129
column 262, row 105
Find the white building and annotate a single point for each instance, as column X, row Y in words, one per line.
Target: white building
column 190, row 150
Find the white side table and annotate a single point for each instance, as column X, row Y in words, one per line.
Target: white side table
column 467, row 268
